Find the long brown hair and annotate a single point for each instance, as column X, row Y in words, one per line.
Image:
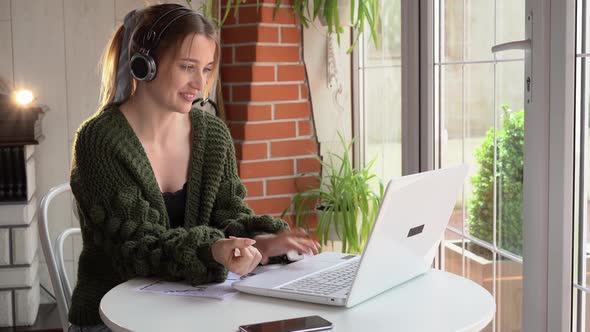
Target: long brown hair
column 170, row 42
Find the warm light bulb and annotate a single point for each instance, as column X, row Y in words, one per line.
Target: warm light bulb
column 24, row 97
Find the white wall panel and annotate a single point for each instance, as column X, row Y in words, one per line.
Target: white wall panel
column 6, row 71
column 88, row 27
column 39, row 64
column 4, row 10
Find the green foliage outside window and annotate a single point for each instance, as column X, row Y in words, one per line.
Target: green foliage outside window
column 509, row 176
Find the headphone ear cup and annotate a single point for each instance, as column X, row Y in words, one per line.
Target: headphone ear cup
column 143, row 67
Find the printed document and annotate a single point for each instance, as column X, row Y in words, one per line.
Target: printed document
column 216, row 291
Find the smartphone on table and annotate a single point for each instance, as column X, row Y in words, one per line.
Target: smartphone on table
column 299, row 324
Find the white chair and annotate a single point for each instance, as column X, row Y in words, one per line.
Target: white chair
column 54, row 259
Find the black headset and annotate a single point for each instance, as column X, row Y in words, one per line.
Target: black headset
column 204, row 101
column 143, row 65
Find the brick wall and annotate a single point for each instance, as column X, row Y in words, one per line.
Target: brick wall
column 267, row 104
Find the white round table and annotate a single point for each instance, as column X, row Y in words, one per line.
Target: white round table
column 435, row 301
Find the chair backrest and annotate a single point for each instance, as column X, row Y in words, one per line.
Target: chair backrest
column 54, row 257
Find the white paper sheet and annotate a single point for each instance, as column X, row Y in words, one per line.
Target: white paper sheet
column 216, row 291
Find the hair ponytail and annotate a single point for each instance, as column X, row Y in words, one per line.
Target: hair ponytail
column 209, row 85
column 109, row 64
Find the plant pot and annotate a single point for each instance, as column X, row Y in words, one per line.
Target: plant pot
column 334, row 241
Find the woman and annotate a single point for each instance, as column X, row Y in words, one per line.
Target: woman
column 155, row 181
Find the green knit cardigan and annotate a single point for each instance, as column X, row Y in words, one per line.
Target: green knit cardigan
column 125, row 226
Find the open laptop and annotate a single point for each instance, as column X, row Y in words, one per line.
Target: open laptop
column 409, row 226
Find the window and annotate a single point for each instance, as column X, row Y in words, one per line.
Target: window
column 379, row 93
column 471, row 110
column 479, row 101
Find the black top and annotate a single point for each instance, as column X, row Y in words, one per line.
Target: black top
column 175, row 206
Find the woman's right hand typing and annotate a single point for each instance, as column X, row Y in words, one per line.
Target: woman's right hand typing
column 236, row 254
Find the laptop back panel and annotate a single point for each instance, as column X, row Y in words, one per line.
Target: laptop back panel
column 407, row 230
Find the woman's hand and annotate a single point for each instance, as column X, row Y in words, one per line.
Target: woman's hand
column 271, row 245
column 236, row 254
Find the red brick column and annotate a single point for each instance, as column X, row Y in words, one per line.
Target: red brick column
column 267, row 104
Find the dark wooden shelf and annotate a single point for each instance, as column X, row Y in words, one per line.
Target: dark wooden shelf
column 21, row 126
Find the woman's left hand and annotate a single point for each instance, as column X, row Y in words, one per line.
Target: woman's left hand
column 271, row 245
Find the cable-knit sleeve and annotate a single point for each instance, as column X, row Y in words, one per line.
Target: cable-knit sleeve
column 230, row 213
column 116, row 217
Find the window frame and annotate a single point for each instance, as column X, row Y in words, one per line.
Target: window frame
column 548, row 192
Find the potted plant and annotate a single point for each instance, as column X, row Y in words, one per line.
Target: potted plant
column 345, row 201
column 332, row 13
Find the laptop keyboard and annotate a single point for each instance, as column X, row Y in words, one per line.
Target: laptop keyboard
column 327, row 282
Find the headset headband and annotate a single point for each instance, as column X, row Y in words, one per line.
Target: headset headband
column 150, row 40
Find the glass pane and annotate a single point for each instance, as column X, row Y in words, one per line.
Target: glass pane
column 583, row 42
column 458, row 215
column 478, row 151
column 467, row 121
column 579, row 20
column 453, row 253
column 583, row 98
column 389, row 36
column 383, row 120
column 510, row 25
column 468, row 259
column 453, row 114
column 479, row 37
column 479, row 102
column 437, row 41
column 582, row 107
column 582, row 104
column 510, row 84
column 466, row 30
column 380, row 94
column 508, row 295
column 453, row 30
column 509, row 155
column 479, row 267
